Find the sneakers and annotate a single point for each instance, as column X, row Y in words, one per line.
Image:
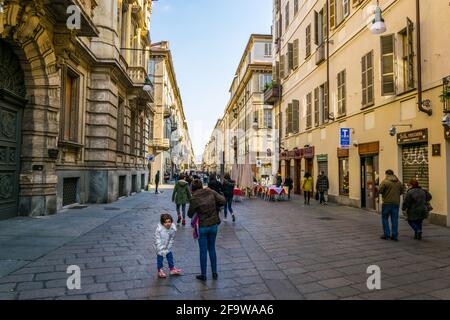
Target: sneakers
column 225, row 218
column 175, row 272
column 179, row 219
column 234, row 218
column 215, row 275
column 161, row 274
column 384, row 238
column 184, row 222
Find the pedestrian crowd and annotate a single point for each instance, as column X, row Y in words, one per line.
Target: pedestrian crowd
column 206, row 204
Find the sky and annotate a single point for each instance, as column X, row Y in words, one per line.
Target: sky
column 207, row 39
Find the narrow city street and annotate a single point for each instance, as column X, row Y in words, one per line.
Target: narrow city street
column 277, row 250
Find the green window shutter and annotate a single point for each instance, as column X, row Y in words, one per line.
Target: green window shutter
column 282, row 68
column 308, row 40
column 296, row 115
column 296, row 54
column 410, row 53
column 291, row 56
column 387, row 65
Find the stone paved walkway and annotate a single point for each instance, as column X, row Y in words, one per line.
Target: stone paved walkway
column 274, row 251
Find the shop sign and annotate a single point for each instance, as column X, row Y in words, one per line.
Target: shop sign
column 343, row 153
column 369, row 148
column 417, row 136
column 344, row 138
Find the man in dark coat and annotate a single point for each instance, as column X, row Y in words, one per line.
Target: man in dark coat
column 288, row 182
column 416, row 205
column 228, row 192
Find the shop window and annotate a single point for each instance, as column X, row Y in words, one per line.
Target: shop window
column 344, row 174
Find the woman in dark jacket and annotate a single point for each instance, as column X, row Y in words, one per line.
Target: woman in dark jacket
column 215, row 185
column 204, row 203
column 228, row 189
column 416, row 205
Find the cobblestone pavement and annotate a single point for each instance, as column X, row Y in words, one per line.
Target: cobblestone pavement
column 277, row 250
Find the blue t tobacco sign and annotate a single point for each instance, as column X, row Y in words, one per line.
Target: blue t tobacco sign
column 344, row 138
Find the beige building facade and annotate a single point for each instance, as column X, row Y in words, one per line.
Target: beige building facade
column 245, row 133
column 333, row 74
column 75, row 118
column 171, row 145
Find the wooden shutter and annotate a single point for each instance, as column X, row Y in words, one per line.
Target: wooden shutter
column 316, row 27
column 326, row 109
column 308, row 110
column 290, row 123
column 295, row 115
column 282, row 68
column 332, row 14
column 308, row 40
column 316, row 106
column 367, row 79
column 410, row 53
column 296, row 53
column 291, row 56
column 363, row 80
column 387, row 65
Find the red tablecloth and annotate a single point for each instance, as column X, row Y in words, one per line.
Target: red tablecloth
column 237, row 192
column 273, row 192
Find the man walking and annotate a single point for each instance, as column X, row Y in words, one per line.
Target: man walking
column 391, row 190
column 157, row 177
column 322, row 186
column 289, row 184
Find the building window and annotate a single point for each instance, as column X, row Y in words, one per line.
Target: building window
column 320, row 27
column 309, row 110
column 367, row 79
column 290, row 56
column 295, row 7
column 341, row 80
column 316, row 107
column 308, row 41
column 264, row 80
column 407, row 60
column 387, row 65
column 70, row 106
column 344, row 175
column 268, row 49
column 339, row 10
column 295, row 116
column 120, row 125
column 325, row 113
column 133, row 133
column 268, row 118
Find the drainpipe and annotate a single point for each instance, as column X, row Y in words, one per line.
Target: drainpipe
column 419, row 64
column 328, row 60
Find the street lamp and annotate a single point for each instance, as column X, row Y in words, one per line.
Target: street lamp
column 378, row 26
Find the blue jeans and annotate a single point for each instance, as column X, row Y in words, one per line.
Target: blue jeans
column 322, row 196
column 183, row 208
column 228, row 206
column 207, row 243
column 160, row 259
column 392, row 211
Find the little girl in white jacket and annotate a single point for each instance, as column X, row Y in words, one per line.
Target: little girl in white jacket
column 164, row 237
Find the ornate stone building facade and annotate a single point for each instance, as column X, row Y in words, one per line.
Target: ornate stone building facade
column 74, row 117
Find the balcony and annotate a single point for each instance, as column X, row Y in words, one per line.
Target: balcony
column 160, row 144
column 167, row 112
column 320, row 54
column 273, row 94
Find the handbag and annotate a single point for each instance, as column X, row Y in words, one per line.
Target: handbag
column 317, row 196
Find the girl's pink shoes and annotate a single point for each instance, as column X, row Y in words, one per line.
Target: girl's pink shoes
column 161, row 274
column 175, row 272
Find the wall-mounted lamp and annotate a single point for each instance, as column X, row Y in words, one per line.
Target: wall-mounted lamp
column 378, row 26
column 393, row 129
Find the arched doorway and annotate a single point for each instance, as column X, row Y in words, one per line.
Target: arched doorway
column 12, row 92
